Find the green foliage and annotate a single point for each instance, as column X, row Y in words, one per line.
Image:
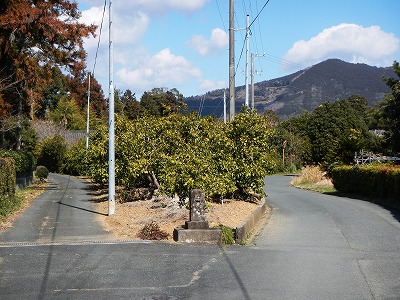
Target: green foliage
column 251, row 151
column 152, row 231
column 41, row 172
column 68, row 114
column 7, row 187
column 178, row 153
column 377, row 181
column 24, row 161
column 161, row 102
column 9, row 131
column 7, row 177
column 51, row 153
column 228, row 235
column 75, row 159
column 333, row 131
column 391, row 110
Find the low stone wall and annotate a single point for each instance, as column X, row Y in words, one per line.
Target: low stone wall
column 243, row 231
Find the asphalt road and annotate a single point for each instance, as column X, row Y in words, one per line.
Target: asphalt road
column 313, row 247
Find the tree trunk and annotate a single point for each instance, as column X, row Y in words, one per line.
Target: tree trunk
column 19, row 125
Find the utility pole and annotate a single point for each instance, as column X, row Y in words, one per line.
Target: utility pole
column 111, row 153
column 224, row 107
column 246, row 101
column 252, row 82
column 252, row 77
column 231, row 61
column 88, row 110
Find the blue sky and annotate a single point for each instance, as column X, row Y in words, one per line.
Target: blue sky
column 183, row 44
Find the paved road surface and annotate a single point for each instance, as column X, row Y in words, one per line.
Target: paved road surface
column 63, row 213
column 313, row 247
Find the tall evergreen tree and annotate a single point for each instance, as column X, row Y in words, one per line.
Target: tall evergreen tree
column 391, row 110
column 35, row 36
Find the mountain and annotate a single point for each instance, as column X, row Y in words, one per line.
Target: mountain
column 290, row 95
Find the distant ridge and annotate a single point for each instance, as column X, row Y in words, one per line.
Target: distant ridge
column 304, row 90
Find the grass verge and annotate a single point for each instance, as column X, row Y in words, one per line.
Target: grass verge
column 15, row 206
column 313, row 178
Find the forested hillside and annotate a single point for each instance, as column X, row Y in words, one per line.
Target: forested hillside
column 289, row 96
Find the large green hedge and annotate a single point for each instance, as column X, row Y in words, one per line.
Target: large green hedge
column 24, row 161
column 180, row 152
column 7, row 185
column 378, row 182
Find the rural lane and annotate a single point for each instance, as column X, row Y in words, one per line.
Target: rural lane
column 313, row 247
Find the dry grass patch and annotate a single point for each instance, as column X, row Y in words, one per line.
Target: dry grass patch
column 313, row 178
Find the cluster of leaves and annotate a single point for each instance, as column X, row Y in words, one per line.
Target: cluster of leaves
column 24, row 161
column 51, row 153
column 228, row 235
column 41, row 172
column 158, row 102
column 333, row 132
column 178, row 153
column 152, row 231
column 42, row 62
column 8, row 200
column 390, row 111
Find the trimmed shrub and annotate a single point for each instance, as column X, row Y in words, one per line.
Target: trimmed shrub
column 51, row 153
column 7, row 186
column 178, row 153
column 7, row 177
column 24, row 161
column 75, row 160
column 42, row 172
column 381, row 182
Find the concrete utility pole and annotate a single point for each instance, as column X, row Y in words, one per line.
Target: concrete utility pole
column 246, row 101
column 88, row 110
column 231, row 61
column 224, row 107
column 111, row 153
column 252, row 82
column 252, row 77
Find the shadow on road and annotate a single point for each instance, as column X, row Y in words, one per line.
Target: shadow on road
column 84, row 209
column 395, row 211
column 239, row 280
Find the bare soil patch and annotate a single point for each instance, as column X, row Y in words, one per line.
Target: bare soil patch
column 131, row 217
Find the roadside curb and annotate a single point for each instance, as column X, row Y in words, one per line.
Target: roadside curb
column 244, row 230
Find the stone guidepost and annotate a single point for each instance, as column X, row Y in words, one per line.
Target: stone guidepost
column 197, row 228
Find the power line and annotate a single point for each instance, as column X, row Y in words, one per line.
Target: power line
column 98, row 42
column 259, row 13
column 222, row 19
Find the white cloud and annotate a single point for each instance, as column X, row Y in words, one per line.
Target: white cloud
column 164, row 69
column 350, row 42
column 218, row 41
column 152, row 6
column 210, row 85
column 128, row 29
column 134, row 66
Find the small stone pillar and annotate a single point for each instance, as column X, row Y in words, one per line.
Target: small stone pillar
column 197, row 210
column 197, row 230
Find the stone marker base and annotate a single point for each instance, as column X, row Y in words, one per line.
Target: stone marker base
column 196, row 225
column 211, row 235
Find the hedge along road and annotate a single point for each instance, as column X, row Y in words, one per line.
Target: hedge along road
column 313, row 247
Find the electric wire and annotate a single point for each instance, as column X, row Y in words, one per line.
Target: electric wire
column 259, row 13
column 98, row 42
column 222, row 19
